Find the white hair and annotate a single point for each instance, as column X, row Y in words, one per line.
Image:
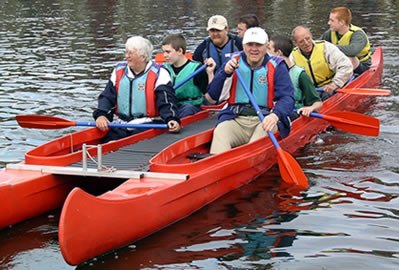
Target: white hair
column 142, row 45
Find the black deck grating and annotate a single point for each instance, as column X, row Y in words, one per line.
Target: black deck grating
column 137, row 156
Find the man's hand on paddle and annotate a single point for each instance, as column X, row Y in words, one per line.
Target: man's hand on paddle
column 329, row 88
column 230, row 66
column 305, row 110
column 270, row 122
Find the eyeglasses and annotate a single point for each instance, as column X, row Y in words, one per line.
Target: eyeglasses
column 129, row 52
column 306, row 39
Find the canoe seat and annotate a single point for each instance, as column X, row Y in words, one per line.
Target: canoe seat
column 197, row 156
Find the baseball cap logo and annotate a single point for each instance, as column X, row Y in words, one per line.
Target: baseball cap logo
column 255, row 34
column 217, row 22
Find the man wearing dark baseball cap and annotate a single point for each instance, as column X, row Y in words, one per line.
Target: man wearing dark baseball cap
column 220, row 44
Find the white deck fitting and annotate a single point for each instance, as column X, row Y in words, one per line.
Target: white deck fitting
column 94, row 172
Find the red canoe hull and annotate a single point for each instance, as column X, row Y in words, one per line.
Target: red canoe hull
column 90, row 226
column 28, row 193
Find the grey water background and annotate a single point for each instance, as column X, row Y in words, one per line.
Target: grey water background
column 56, row 57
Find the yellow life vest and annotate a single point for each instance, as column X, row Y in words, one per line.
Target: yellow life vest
column 364, row 54
column 316, row 66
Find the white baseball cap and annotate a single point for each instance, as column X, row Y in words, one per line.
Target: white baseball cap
column 217, row 22
column 255, row 34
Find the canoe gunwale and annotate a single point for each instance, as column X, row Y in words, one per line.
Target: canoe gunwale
column 161, row 162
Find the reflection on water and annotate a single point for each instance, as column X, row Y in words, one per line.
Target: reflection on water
column 32, row 245
column 260, row 225
column 56, row 57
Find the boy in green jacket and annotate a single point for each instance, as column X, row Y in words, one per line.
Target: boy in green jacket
column 190, row 94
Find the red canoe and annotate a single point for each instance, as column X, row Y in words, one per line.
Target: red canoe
column 176, row 186
column 34, row 187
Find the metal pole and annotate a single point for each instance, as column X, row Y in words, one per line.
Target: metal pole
column 84, row 157
column 99, row 157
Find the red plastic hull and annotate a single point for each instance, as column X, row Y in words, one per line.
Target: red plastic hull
column 25, row 194
column 90, row 226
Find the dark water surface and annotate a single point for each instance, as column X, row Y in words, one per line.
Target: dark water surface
column 55, row 58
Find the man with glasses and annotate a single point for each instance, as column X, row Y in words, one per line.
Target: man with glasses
column 246, row 21
column 325, row 64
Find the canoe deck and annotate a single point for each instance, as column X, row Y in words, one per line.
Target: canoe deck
column 138, row 155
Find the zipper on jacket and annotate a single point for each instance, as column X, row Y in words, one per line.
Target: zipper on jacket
column 252, row 81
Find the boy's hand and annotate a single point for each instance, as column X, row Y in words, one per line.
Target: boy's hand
column 211, row 65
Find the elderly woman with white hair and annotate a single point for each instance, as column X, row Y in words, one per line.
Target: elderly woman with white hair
column 139, row 91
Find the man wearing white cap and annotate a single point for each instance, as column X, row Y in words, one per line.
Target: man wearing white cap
column 269, row 81
column 220, row 44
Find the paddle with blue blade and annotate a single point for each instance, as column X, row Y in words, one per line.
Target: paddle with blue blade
column 290, row 170
column 352, row 122
column 52, row 122
column 360, row 91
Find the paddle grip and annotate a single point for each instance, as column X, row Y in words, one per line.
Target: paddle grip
column 319, row 89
